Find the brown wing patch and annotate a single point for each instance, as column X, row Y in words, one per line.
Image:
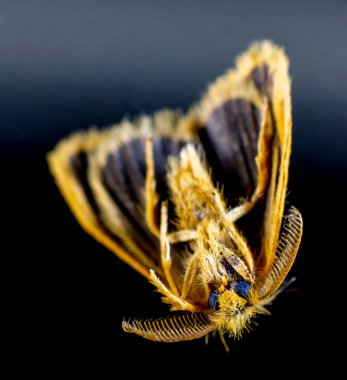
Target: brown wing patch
column 101, row 175
column 69, row 165
column 262, row 78
column 230, row 138
column 120, row 193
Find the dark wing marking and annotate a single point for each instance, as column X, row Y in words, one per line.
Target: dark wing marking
column 79, row 167
column 102, row 174
column 123, row 177
column 69, row 164
column 262, row 78
column 230, row 138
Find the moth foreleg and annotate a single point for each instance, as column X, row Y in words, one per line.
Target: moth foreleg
column 176, row 302
column 238, row 212
column 166, row 261
column 182, row 236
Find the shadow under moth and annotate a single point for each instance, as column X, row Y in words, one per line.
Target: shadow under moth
column 196, row 202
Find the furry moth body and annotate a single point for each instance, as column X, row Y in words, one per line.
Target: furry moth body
column 196, row 203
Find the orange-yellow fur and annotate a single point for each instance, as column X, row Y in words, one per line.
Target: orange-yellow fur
column 201, row 218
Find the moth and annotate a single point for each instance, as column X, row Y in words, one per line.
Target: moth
column 196, row 202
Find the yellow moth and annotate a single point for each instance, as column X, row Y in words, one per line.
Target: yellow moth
column 196, row 202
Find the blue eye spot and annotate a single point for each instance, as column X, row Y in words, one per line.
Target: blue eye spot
column 213, row 300
column 242, row 289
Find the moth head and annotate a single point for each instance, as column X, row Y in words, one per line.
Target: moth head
column 234, row 307
column 237, row 295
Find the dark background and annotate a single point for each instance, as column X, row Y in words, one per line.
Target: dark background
column 66, row 65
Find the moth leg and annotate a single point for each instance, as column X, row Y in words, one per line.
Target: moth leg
column 195, row 288
column 242, row 246
column 239, row 211
column 182, row 236
column 176, row 302
column 219, row 203
column 227, row 349
column 237, row 264
column 165, row 248
column 151, row 196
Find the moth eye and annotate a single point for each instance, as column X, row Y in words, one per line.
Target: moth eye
column 242, row 288
column 213, row 300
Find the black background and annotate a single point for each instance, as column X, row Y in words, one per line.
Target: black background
column 66, row 65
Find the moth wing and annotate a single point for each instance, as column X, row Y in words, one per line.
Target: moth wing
column 245, row 127
column 231, row 119
column 272, row 78
column 69, row 163
column 102, row 176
